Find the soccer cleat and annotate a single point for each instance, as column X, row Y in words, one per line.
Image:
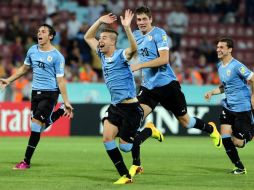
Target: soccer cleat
column 123, row 180
column 155, row 132
column 22, row 166
column 237, row 171
column 215, row 135
column 134, row 170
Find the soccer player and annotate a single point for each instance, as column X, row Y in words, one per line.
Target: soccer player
column 124, row 115
column 47, row 65
column 159, row 83
column 236, row 118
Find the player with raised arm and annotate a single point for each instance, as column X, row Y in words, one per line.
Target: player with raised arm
column 124, row 115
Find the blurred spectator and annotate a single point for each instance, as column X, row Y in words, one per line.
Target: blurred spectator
column 177, row 22
column 14, row 28
column 227, row 9
column 74, row 61
column 26, row 91
column 84, row 48
column 176, row 64
column 95, row 10
column 204, row 69
column 17, row 87
column 115, row 7
column 50, row 5
column 29, row 42
column 175, row 58
column 213, row 77
column 249, row 12
column 2, row 30
column 73, row 26
column 18, row 51
column 87, row 74
column 52, row 19
column 208, row 50
column 57, row 39
column 2, row 68
column 193, row 76
column 31, row 28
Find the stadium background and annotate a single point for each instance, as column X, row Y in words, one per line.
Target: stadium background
column 193, row 55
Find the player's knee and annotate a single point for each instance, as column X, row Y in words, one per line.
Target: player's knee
column 126, row 147
column 188, row 123
column 107, row 139
column 35, row 127
column 238, row 143
column 110, row 145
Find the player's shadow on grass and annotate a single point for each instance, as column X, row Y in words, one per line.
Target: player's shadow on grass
column 210, row 169
column 93, row 178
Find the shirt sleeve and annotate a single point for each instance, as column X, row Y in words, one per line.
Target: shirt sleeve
column 244, row 72
column 123, row 54
column 161, row 40
column 27, row 60
column 59, row 66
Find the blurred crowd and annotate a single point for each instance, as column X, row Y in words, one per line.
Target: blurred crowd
column 18, row 33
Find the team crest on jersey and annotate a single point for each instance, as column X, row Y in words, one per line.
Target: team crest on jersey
column 164, row 38
column 108, row 60
column 228, row 73
column 49, row 59
column 242, row 70
column 149, row 37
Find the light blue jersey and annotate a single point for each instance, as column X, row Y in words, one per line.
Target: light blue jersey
column 234, row 77
column 149, row 46
column 46, row 65
column 118, row 76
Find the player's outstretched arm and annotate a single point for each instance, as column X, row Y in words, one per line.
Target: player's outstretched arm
column 20, row 72
column 252, row 89
column 126, row 22
column 163, row 59
column 91, row 33
column 218, row 90
column 62, row 88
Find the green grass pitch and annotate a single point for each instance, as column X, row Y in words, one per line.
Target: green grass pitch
column 178, row 163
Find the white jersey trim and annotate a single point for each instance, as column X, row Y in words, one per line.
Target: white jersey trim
column 163, row 48
column 124, row 55
column 249, row 77
column 59, row 75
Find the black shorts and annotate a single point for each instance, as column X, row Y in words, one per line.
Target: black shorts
column 127, row 117
column 43, row 103
column 241, row 123
column 169, row 96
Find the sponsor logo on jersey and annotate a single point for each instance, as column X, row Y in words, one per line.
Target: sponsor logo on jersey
column 164, row 38
column 242, row 69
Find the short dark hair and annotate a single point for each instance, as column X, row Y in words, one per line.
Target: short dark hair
column 229, row 41
column 110, row 30
column 144, row 10
column 51, row 30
